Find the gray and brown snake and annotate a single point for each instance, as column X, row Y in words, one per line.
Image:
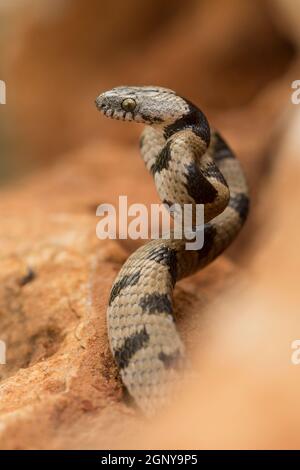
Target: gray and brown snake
column 191, row 164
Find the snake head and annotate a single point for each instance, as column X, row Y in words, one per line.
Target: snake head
column 148, row 104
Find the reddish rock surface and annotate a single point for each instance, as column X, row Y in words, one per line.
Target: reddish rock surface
column 55, row 280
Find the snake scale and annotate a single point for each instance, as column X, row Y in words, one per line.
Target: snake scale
column 191, row 164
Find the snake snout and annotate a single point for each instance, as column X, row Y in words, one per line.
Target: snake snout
column 99, row 101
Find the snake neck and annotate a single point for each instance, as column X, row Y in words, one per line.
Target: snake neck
column 183, row 168
column 194, row 120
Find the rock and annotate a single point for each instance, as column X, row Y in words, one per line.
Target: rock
column 60, row 387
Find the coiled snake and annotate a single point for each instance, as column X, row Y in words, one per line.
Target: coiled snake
column 190, row 164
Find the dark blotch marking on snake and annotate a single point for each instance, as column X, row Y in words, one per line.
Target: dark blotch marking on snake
column 156, row 303
column 125, row 281
column 141, row 141
column 166, row 256
column 194, row 120
column 197, row 186
column 168, row 203
column 162, row 160
column 170, row 361
column 221, row 149
column 152, row 119
column 209, row 240
column 131, row 345
column 212, row 171
column 240, row 203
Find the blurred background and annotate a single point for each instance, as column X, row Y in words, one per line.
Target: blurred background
column 56, row 56
column 235, row 59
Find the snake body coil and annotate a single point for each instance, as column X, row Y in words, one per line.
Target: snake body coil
column 190, row 164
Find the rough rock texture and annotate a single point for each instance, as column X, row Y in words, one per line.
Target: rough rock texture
column 55, row 280
column 60, row 388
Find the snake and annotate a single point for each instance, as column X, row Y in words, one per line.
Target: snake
column 191, row 163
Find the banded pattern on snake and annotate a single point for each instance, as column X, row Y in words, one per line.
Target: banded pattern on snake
column 190, row 164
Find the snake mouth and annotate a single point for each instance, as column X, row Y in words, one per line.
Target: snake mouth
column 113, row 114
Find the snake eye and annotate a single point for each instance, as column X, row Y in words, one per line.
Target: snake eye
column 128, row 104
